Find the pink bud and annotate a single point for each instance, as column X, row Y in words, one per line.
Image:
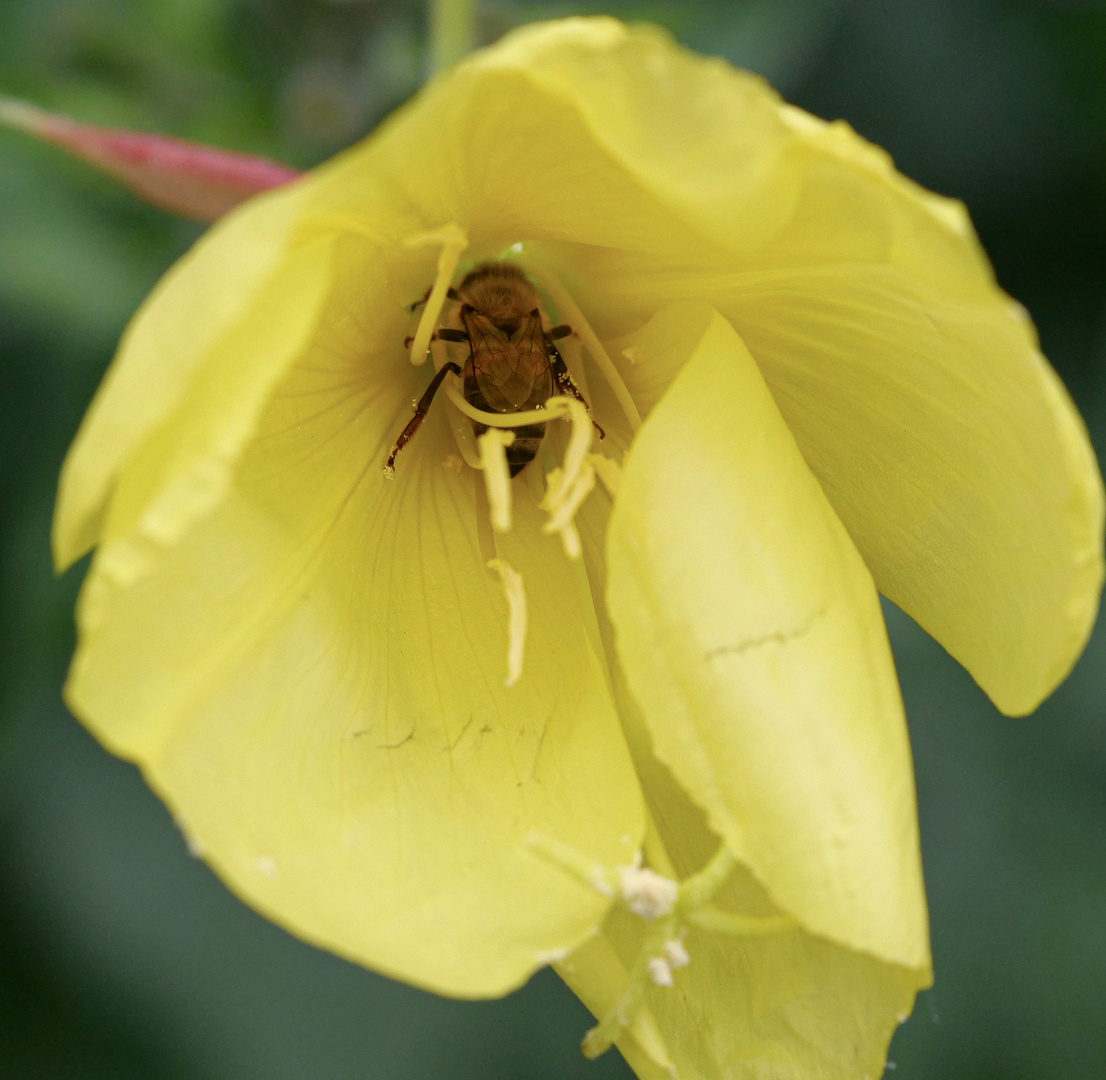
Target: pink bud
column 182, row 177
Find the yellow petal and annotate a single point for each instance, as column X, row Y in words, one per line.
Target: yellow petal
column 751, row 636
column 583, row 130
column 954, row 457
column 312, row 677
column 794, row 1007
column 194, row 307
column 918, row 395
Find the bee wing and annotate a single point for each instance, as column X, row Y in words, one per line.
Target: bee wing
column 515, row 374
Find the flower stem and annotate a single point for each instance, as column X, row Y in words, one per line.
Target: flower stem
column 451, row 32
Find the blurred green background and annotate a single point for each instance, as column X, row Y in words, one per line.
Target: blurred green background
column 122, row 957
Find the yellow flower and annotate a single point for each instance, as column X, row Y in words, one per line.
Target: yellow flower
column 308, row 661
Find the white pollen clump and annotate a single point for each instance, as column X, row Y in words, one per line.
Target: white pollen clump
column 497, row 475
column 659, row 971
column 516, row 617
column 453, row 463
column 647, row 894
column 675, row 953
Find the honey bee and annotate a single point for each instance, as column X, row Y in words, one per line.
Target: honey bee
column 513, row 363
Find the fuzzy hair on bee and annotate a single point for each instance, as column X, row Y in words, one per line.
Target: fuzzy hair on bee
column 513, row 364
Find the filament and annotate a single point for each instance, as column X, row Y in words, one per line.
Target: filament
column 555, row 407
column 516, row 617
column 562, row 517
column 608, row 470
column 497, row 475
column 571, row 313
column 453, row 240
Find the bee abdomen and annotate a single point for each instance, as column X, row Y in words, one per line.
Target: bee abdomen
column 525, row 447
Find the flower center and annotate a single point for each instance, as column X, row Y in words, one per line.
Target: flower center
column 568, row 485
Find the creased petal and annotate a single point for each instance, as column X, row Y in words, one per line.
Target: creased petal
column 313, row 680
column 954, row 457
column 203, row 303
column 751, row 637
column 918, row 395
column 186, row 178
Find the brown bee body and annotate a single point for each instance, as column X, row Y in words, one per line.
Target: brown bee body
column 513, row 364
column 510, row 364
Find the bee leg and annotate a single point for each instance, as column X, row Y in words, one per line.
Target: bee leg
column 413, row 307
column 563, row 379
column 444, row 334
column 421, row 409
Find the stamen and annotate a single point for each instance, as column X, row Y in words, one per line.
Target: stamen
column 570, row 538
column 668, row 907
column 647, row 894
column 573, row 862
column 570, row 485
column 497, row 475
column 516, row 617
column 568, row 310
column 453, row 240
column 555, row 407
column 578, row 445
column 675, row 952
column 564, row 514
column 608, row 470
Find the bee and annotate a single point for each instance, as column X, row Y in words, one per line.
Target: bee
column 513, row 363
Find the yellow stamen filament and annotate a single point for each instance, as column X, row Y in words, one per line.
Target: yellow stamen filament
column 566, row 511
column 453, row 240
column 608, row 470
column 570, row 485
column 570, row 312
column 497, row 475
column 555, row 407
column 570, row 539
column 516, row 617
column 578, row 445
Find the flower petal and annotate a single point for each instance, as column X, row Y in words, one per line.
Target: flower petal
column 953, row 455
column 186, row 178
column 582, row 130
column 792, row 1007
column 171, row 350
column 918, row 395
column 313, row 680
column 751, row 637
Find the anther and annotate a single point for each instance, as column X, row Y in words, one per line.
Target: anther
column 497, row 475
column 675, row 953
column 647, row 894
column 572, row 501
column 516, row 617
column 660, row 971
